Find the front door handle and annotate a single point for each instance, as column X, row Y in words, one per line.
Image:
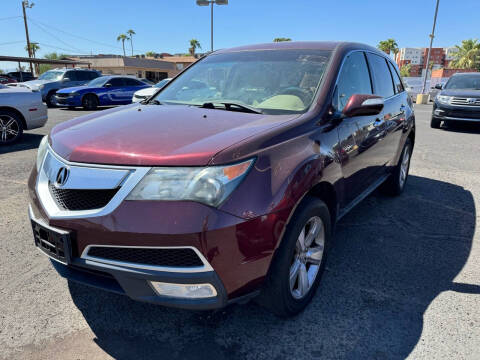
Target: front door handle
column 402, row 108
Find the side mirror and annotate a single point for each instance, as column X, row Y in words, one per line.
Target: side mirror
column 107, row 85
column 363, row 105
column 438, row 86
column 66, row 79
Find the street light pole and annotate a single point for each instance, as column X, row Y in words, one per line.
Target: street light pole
column 211, row 3
column 432, row 35
column 25, row 4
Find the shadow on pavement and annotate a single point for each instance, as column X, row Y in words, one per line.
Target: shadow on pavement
column 392, row 258
column 27, row 142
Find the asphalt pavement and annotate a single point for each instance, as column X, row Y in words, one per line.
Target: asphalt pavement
column 403, row 279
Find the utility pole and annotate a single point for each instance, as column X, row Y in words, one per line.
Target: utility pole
column 211, row 26
column 432, row 35
column 25, row 4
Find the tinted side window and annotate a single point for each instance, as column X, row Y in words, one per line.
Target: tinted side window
column 83, row 75
column 396, row 79
column 132, row 82
column 70, row 75
column 116, row 82
column 353, row 79
column 382, row 80
column 92, row 75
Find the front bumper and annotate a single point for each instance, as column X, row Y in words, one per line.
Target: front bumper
column 445, row 112
column 68, row 101
column 238, row 251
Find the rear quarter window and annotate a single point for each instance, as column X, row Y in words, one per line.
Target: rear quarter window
column 382, row 79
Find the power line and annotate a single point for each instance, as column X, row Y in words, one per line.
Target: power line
column 76, row 36
column 60, row 48
column 9, row 18
column 54, row 36
column 12, row 42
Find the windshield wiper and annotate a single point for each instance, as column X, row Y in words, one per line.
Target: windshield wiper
column 229, row 105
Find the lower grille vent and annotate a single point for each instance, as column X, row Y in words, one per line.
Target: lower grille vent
column 184, row 257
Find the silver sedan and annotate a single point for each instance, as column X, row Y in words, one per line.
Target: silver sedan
column 20, row 109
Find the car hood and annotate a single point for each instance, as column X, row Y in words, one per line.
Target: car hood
column 72, row 89
column 461, row 92
column 156, row 135
column 33, row 84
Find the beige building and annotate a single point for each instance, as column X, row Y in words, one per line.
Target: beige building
column 154, row 70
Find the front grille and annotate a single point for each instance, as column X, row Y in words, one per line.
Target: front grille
column 184, row 257
column 73, row 199
column 62, row 95
column 465, row 101
column 463, row 114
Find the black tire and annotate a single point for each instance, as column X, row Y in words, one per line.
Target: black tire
column 10, row 122
column 435, row 123
column 90, row 102
column 276, row 294
column 49, row 99
column 71, row 107
column 394, row 185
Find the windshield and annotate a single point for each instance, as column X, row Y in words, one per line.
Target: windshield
column 98, row 82
column 51, row 75
column 464, row 82
column 273, row 81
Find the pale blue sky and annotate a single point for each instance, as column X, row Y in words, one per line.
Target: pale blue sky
column 167, row 26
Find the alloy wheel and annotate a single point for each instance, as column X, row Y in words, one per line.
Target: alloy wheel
column 9, row 128
column 308, row 257
column 404, row 166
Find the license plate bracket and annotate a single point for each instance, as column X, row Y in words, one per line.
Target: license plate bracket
column 55, row 243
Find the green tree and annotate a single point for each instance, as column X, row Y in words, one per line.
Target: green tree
column 1, row 71
column 467, row 56
column 388, row 46
column 150, row 54
column 122, row 38
column 131, row 33
column 43, row 68
column 281, row 39
column 194, row 45
column 405, row 70
column 55, row 56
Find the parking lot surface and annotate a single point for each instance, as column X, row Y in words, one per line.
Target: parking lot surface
column 403, row 279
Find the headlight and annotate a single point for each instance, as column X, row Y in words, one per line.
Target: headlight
column 40, row 87
column 444, row 99
column 208, row 185
column 42, row 149
column 73, row 94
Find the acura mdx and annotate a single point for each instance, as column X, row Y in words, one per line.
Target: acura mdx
column 227, row 184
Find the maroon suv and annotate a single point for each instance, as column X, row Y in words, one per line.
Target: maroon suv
column 228, row 182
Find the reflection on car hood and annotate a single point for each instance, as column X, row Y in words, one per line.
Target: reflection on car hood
column 156, row 135
column 71, row 89
column 461, row 92
column 33, row 84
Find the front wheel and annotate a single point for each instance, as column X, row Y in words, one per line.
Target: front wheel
column 395, row 184
column 435, row 123
column 90, row 102
column 11, row 127
column 299, row 261
column 50, row 100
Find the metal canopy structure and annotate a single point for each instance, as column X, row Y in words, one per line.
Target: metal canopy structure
column 43, row 61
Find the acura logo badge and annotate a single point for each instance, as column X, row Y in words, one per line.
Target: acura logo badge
column 62, row 176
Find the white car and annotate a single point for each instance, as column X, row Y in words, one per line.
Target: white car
column 20, row 109
column 141, row 95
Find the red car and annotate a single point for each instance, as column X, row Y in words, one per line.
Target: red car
column 228, row 183
column 6, row 80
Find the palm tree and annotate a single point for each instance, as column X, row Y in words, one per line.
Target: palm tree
column 388, row 46
column 405, row 70
column 55, row 56
column 467, row 56
column 131, row 33
column 280, row 39
column 150, row 54
column 194, row 45
column 122, row 38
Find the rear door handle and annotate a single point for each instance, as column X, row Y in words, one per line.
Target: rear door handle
column 402, row 108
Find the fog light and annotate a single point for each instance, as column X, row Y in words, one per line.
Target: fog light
column 438, row 111
column 186, row 291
